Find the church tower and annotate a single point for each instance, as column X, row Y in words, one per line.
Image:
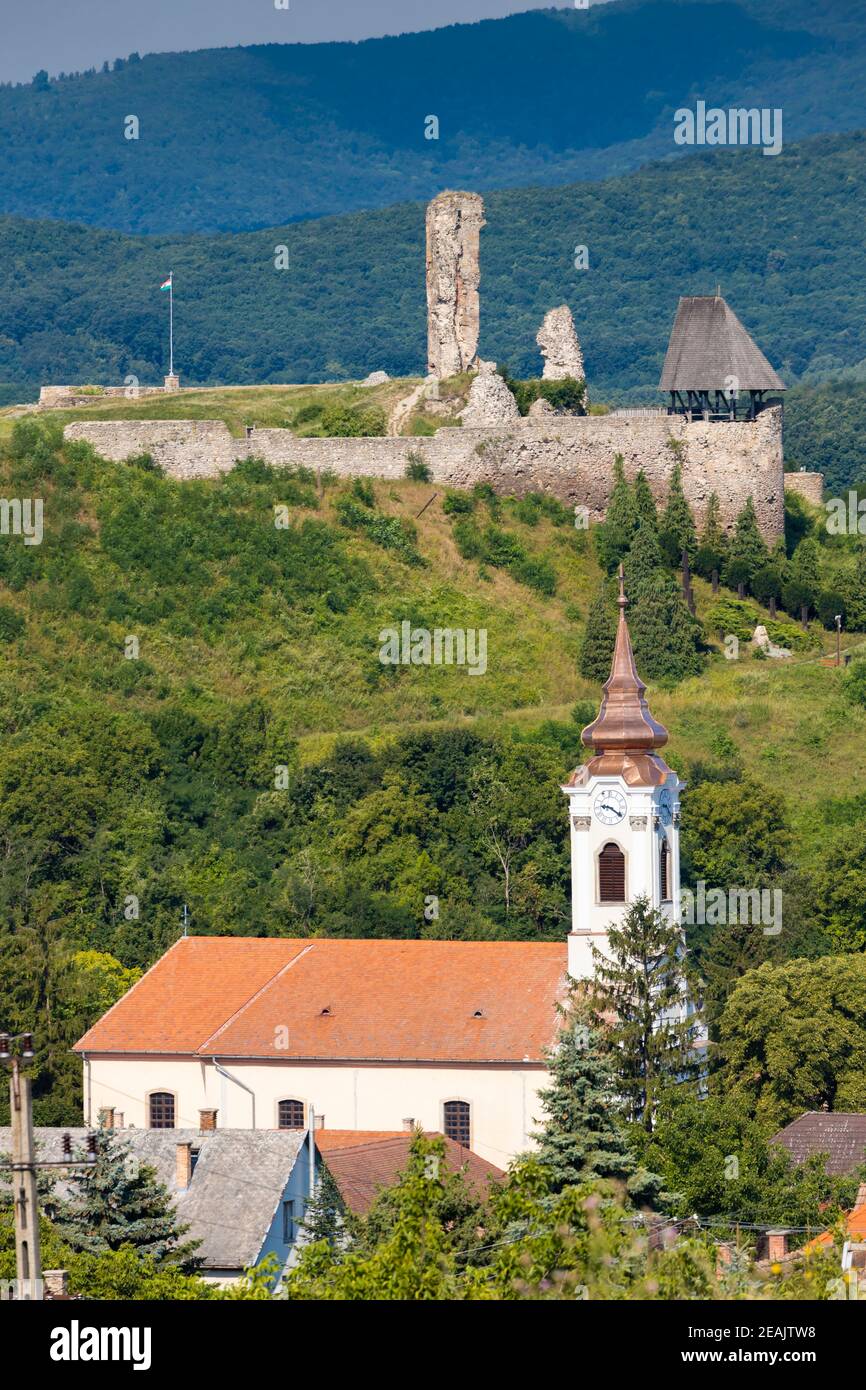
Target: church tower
column 624, row 812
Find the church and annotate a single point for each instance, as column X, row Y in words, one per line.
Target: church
column 376, row 1035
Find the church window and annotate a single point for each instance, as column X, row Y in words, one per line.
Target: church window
column 291, row 1114
column 611, row 874
column 665, row 867
column 161, row 1110
column 457, row 1122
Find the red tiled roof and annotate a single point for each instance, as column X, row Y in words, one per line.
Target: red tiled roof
column 855, row 1226
column 362, row 1163
column 283, row 999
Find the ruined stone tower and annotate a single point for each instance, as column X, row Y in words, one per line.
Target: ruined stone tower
column 454, row 222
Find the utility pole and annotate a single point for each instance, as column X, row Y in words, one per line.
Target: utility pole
column 28, row 1258
column 28, row 1255
column 838, row 621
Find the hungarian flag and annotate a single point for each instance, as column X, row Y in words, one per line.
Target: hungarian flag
column 166, row 284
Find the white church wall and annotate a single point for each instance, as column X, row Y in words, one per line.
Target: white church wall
column 503, row 1100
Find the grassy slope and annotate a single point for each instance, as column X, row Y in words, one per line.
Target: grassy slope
column 320, row 669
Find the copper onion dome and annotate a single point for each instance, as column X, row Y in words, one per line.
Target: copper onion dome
column 625, row 735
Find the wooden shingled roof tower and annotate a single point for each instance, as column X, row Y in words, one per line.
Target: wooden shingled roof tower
column 712, row 361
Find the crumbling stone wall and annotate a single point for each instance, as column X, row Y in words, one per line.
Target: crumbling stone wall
column 809, row 485
column 454, row 222
column 571, row 457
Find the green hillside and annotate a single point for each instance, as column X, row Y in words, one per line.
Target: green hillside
column 195, row 710
column 782, row 236
column 247, row 137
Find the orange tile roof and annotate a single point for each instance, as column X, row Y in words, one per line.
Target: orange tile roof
column 363, row 1162
column 341, row 1000
column 855, row 1227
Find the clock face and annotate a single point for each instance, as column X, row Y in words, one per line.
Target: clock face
column 610, row 806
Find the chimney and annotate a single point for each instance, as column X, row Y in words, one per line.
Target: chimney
column 55, row 1283
column 183, row 1166
column 207, row 1120
column 106, row 1118
column 777, row 1246
column 860, row 1200
column 318, row 1121
column 118, row 1119
column 409, row 1124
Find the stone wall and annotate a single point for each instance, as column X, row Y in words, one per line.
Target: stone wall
column 69, row 397
column 454, row 222
column 809, row 485
column 571, row 457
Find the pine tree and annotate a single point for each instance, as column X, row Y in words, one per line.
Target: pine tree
column 119, row 1201
column 747, row 553
column 324, row 1218
column 613, row 537
column 645, row 503
column 713, row 548
column 596, row 652
column 665, row 637
column 582, row 1137
column 644, row 561
column 641, row 982
column 677, row 523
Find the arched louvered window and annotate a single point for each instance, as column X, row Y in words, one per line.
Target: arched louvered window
column 457, row 1122
column 611, row 874
column 291, row 1114
column 665, row 869
column 161, row 1110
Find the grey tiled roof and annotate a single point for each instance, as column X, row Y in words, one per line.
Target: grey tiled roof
column 708, row 346
column 840, row 1134
column 235, row 1190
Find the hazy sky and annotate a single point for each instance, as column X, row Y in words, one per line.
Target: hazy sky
column 68, row 35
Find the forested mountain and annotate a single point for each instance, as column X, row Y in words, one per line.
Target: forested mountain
column 247, row 137
column 782, row 236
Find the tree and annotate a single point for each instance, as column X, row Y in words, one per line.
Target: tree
column 792, row 1037
column 720, row 1164
column 325, row 1214
column 713, row 548
column 581, row 1136
column 613, row 537
column 644, row 561
column 644, row 502
column 840, row 886
column 665, row 637
column 736, row 832
column 748, row 552
column 677, row 523
column 119, row 1201
column 641, row 982
column 599, row 637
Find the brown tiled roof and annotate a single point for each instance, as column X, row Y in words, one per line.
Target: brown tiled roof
column 362, row 1163
column 336, row 1000
column 840, row 1134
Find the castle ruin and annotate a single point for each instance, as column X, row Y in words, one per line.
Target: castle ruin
column 720, row 425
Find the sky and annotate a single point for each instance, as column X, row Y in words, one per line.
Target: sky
column 69, row 35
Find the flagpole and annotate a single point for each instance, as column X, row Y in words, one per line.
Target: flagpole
column 171, row 324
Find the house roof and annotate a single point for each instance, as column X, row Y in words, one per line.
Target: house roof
column 236, row 1188
column 841, row 1134
column 341, row 1000
column 855, row 1230
column 363, row 1162
column 708, row 346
